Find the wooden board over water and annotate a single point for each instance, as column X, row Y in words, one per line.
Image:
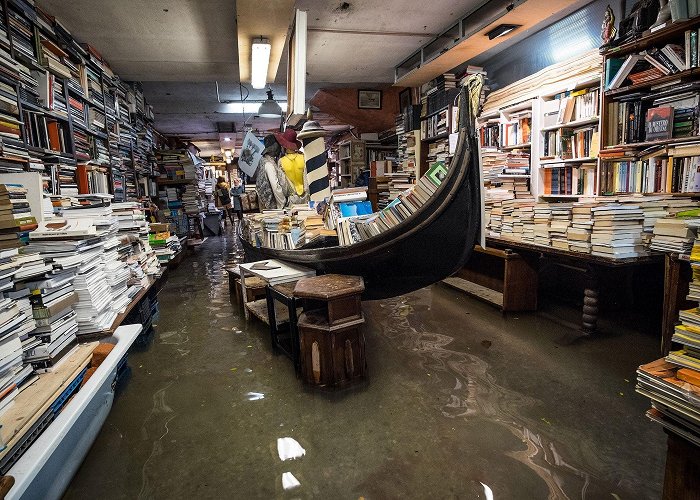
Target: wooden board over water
column 33, row 401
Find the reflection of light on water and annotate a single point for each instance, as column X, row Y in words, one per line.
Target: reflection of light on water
column 254, row 396
column 289, row 481
column 487, row 492
column 475, row 393
column 289, row 449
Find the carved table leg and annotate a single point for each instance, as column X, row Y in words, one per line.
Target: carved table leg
column 589, row 320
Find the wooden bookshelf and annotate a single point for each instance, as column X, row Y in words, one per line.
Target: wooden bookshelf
column 629, row 137
column 29, row 48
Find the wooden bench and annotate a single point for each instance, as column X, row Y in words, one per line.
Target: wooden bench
column 500, row 277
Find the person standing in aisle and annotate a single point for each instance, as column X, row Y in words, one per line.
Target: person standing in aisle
column 223, row 199
column 236, row 191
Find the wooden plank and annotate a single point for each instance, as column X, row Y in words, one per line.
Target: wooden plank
column 35, row 399
column 477, row 291
column 258, row 308
column 526, row 14
column 677, row 276
column 576, row 256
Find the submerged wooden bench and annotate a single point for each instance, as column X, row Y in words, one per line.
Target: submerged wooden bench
column 500, row 277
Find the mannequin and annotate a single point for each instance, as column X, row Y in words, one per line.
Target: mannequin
column 292, row 165
column 281, row 183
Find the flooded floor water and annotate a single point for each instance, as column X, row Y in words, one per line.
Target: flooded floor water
column 461, row 403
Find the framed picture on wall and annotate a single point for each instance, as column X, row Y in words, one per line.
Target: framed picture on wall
column 404, row 99
column 369, row 99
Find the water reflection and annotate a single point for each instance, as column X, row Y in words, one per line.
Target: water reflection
column 289, row 449
column 289, row 482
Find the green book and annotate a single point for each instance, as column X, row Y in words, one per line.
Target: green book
column 437, row 173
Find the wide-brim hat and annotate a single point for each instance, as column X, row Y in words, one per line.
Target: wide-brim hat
column 288, row 139
column 311, row 130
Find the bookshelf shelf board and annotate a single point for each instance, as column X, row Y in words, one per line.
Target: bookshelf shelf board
column 437, row 137
column 688, row 73
column 663, row 142
column 572, row 86
column 648, row 40
column 345, row 175
column 39, row 109
column 437, row 111
column 173, row 182
column 567, row 160
column 524, row 145
column 514, row 108
column 566, row 196
column 573, row 124
column 513, row 176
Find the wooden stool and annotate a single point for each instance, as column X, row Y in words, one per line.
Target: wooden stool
column 332, row 345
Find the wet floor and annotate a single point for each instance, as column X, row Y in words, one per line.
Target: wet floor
column 461, row 403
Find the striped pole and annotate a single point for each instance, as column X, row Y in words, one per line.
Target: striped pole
column 316, row 158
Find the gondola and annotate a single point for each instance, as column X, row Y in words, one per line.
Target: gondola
column 425, row 248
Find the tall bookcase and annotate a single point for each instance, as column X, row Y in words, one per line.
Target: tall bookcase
column 637, row 160
column 352, row 158
column 549, row 141
column 65, row 113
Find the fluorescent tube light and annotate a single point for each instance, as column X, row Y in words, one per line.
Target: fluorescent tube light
column 249, row 108
column 261, row 60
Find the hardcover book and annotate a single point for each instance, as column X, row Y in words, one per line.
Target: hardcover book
column 659, row 123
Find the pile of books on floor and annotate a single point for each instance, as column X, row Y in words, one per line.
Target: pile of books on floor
column 673, row 383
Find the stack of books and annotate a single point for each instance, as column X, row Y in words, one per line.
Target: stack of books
column 617, row 230
column 493, row 163
column 117, row 271
column 398, row 182
column 673, row 234
column 542, row 218
column 165, row 244
column 559, row 225
column 15, row 215
column 493, row 201
column 52, row 301
column 10, row 352
column 579, row 233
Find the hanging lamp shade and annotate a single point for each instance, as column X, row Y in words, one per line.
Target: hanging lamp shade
column 270, row 108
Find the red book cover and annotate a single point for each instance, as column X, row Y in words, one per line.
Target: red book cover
column 659, row 123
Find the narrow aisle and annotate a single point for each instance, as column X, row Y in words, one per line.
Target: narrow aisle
column 458, row 396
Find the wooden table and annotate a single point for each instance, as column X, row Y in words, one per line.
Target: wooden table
column 277, row 272
column 682, row 476
column 588, row 264
column 284, row 342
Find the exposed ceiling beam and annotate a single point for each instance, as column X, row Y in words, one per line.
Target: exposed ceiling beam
column 268, row 19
